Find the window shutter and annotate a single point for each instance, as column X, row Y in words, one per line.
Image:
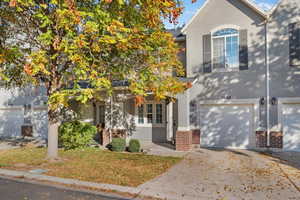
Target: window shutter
column 243, row 50
column 294, row 40
column 207, row 64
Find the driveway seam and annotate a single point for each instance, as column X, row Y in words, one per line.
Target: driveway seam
column 287, row 177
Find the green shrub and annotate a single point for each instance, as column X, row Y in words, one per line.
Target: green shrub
column 134, row 146
column 76, row 134
column 118, row 144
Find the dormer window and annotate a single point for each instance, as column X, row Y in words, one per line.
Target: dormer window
column 225, row 49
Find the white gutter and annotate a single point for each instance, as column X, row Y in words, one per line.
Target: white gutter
column 267, row 82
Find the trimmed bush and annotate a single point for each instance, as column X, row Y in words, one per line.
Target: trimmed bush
column 134, row 146
column 76, row 134
column 118, row 144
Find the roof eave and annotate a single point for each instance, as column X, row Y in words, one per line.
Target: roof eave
column 273, row 10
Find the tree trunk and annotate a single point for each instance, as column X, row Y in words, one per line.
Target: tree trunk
column 52, row 140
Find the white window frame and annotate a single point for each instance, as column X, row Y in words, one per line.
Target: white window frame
column 99, row 113
column 153, row 124
column 212, row 46
column 28, row 113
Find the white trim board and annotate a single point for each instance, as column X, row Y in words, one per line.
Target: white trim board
column 12, row 108
column 229, row 101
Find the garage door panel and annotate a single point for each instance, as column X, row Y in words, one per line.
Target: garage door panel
column 11, row 122
column 225, row 126
column 291, row 127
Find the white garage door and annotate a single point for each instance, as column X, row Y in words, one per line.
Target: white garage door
column 226, row 126
column 11, row 120
column 291, row 127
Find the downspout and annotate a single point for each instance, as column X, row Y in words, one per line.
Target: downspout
column 267, row 81
column 111, row 118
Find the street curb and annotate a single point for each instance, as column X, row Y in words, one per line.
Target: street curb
column 67, row 181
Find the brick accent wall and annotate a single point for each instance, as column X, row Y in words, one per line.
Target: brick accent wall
column 261, row 139
column 196, row 136
column 104, row 137
column 184, row 140
column 276, row 140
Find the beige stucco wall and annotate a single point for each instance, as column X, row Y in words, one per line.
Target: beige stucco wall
column 246, row 84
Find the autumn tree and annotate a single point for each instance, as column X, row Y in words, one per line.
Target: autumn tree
column 57, row 42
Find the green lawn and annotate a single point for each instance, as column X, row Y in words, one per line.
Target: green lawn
column 91, row 165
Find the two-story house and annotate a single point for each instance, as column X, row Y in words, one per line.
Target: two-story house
column 244, row 66
column 246, row 62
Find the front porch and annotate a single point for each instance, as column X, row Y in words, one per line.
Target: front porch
column 152, row 122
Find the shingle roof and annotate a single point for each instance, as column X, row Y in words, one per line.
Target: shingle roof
column 177, row 33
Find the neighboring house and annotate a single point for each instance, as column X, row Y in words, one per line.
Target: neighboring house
column 22, row 108
column 284, row 61
column 244, row 65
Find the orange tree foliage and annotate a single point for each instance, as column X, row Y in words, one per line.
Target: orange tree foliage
column 55, row 42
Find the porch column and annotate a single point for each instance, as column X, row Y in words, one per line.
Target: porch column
column 184, row 134
column 170, row 121
column 184, row 111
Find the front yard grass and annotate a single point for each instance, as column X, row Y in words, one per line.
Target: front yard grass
column 90, row 164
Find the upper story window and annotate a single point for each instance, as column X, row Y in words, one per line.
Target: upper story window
column 27, row 114
column 225, row 49
column 294, row 44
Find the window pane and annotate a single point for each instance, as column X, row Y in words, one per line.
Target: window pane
column 149, row 113
column 219, row 53
column 141, row 114
column 232, row 52
column 225, row 48
column 159, row 114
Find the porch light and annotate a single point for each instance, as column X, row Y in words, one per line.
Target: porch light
column 262, row 101
column 273, row 101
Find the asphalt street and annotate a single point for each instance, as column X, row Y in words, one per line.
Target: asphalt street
column 11, row 189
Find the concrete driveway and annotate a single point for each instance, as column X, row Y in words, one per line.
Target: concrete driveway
column 229, row 174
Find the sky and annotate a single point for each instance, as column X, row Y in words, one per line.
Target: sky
column 191, row 9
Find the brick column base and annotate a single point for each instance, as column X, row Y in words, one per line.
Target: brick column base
column 261, row 139
column 104, row 137
column 184, row 140
column 27, row 130
column 276, row 140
